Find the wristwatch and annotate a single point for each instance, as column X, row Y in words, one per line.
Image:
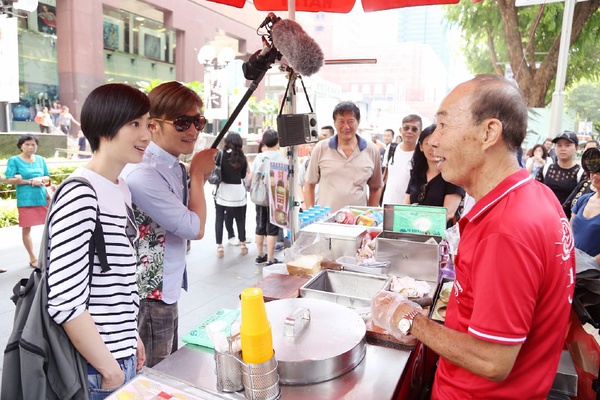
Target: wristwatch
column 405, row 324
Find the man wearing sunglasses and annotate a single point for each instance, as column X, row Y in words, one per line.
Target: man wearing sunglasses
column 397, row 164
column 167, row 213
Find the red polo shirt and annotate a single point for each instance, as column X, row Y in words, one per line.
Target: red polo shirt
column 515, row 275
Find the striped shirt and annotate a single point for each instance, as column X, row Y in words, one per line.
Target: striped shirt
column 113, row 301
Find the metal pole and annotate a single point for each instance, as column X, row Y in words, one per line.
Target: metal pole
column 293, row 157
column 4, row 117
column 558, row 97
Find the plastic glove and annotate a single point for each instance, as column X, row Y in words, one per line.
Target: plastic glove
column 387, row 308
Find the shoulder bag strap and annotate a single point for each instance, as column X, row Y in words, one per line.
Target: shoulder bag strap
column 184, row 183
column 97, row 244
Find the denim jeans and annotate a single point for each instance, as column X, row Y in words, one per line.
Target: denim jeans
column 95, row 379
column 157, row 324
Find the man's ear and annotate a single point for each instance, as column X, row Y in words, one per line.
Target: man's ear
column 493, row 132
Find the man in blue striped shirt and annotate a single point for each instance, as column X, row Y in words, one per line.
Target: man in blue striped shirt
column 167, row 215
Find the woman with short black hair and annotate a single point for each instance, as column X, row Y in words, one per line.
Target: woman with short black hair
column 100, row 315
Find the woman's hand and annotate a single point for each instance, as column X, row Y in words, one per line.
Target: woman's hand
column 37, row 182
column 113, row 380
column 141, row 355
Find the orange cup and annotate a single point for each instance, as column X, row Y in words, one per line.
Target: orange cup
column 255, row 330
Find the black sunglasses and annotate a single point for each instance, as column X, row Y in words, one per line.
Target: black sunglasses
column 590, row 160
column 184, row 122
column 413, row 128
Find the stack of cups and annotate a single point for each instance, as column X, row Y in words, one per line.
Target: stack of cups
column 255, row 330
column 261, row 381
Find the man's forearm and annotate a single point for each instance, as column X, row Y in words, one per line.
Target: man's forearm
column 489, row 360
column 197, row 201
column 374, row 197
column 309, row 195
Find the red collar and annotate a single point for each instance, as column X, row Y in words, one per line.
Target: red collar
column 509, row 184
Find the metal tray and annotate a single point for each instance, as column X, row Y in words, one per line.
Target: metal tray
column 350, row 289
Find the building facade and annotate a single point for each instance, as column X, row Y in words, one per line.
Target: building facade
column 69, row 47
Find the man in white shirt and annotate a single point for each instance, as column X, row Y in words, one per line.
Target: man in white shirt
column 397, row 166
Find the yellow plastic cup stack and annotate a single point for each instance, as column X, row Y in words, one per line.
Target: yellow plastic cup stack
column 255, row 330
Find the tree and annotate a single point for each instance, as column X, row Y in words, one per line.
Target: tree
column 528, row 38
column 266, row 108
column 146, row 87
column 584, row 100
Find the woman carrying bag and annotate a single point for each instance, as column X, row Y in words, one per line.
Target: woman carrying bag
column 230, row 196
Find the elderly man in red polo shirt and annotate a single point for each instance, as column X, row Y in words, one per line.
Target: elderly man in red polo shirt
column 507, row 315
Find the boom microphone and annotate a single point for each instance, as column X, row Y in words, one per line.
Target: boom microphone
column 302, row 52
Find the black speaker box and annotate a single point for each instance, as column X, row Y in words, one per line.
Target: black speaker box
column 295, row 129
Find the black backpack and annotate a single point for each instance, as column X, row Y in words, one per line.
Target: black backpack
column 35, row 335
column 391, row 152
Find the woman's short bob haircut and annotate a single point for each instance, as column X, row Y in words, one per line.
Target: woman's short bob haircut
column 172, row 99
column 108, row 108
column 25, row 137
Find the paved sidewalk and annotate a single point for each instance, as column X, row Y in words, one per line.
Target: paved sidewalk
column 213, row 283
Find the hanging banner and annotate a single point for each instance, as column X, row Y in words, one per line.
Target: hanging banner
column 215, row 95
column 9, row 78
column 279, row 195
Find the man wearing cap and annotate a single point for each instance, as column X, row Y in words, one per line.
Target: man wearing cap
column 586, row 228
column 562, row 177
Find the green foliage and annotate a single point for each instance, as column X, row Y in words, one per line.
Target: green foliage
column 146, row 87
column 584, row 100
column 9, row 215
column 6, row 191
column 59, row 174
column 482, row 28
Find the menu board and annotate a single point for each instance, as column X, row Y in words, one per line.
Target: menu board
column 144, row 387
column 420, row 220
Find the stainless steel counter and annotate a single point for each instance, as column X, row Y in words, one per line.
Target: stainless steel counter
column 377, row 375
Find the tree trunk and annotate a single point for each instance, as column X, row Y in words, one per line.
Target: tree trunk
column 534, row 82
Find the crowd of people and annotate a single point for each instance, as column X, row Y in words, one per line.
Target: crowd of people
column 57, row 119
column 150, row 205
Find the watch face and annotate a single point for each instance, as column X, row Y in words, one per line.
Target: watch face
column 404, row 326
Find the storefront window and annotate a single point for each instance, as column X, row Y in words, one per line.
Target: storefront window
column 136, row 47
column 38, row 74
column 134, row 34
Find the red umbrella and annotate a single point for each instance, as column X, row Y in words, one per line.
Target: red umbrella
column 334, row 6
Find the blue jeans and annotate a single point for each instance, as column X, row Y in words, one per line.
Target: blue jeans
column 95, row 379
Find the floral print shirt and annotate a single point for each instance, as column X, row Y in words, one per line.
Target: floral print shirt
column 151, row 255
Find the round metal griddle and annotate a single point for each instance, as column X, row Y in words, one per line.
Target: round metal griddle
column 315, row 340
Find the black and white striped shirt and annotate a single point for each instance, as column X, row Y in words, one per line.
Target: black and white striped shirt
column 113, row 302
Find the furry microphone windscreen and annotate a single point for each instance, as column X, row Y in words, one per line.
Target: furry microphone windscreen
column 302, row 52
